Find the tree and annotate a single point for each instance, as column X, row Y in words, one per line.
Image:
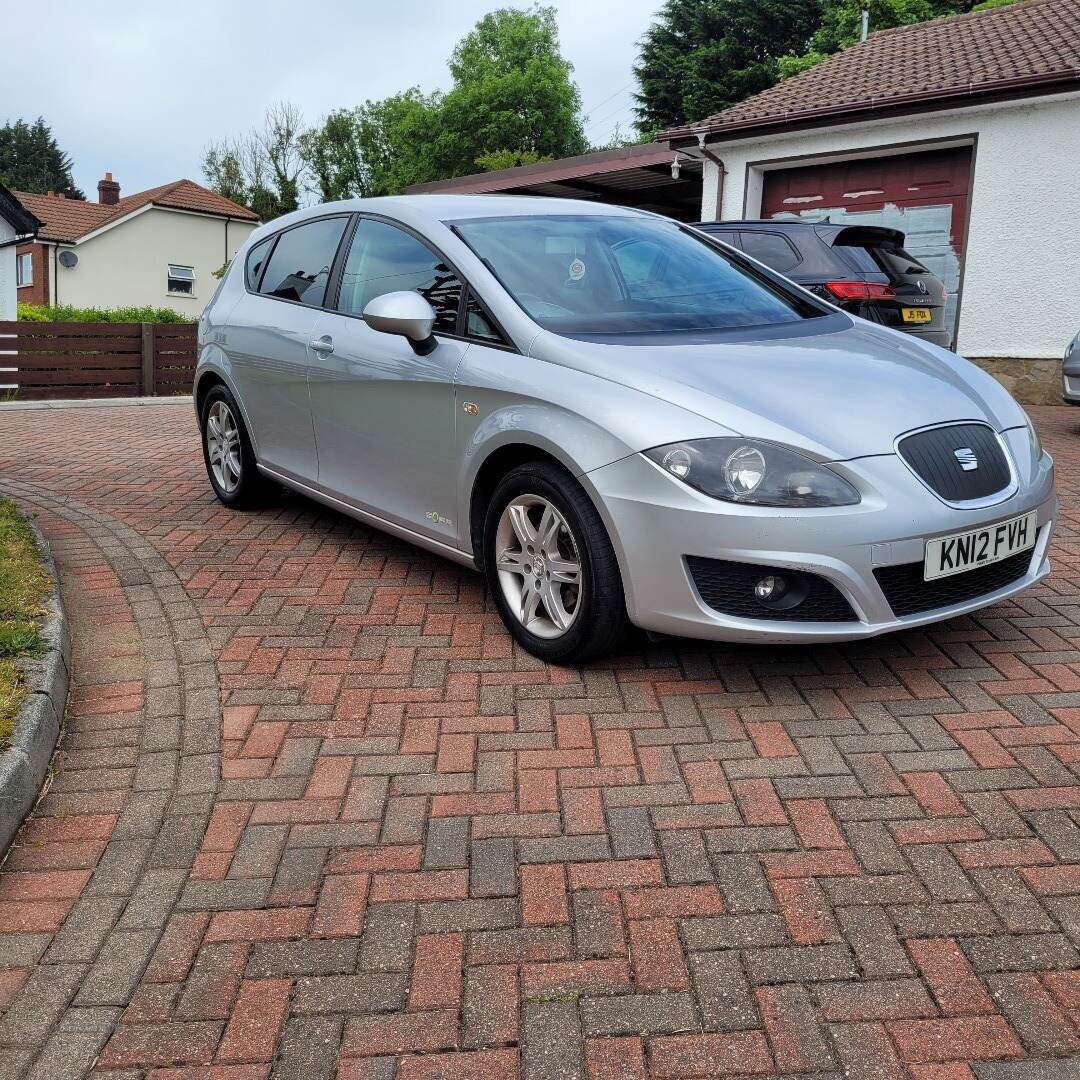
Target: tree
column 513, row 96
column 512, row 102
column 379, row 148
column 31, row 160
column 262, row 170
column 701, row 56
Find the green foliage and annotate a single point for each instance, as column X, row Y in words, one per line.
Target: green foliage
column 31, row 160
column 23, row 588
column 509, row 159
column 700, row 56
column 66, row 313
column 512, row 93
column 263, row 169
column 379, row 148
column 512, row 102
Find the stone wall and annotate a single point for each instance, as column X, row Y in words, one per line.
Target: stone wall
column 1031, row 382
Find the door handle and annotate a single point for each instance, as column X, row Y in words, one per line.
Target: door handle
column 325, row 344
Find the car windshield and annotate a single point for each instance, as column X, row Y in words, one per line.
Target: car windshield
column 594, row 274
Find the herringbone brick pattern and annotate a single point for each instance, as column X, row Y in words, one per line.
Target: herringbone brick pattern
column 314, row 817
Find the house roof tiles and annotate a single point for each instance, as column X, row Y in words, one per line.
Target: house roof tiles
column 1005, row 50
column 68, row 220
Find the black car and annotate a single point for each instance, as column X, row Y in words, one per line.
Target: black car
column 862, row 268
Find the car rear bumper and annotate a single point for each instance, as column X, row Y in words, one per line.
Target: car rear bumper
column 657, row 524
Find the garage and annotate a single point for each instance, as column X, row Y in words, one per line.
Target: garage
column 924, row 195
column 963, row 133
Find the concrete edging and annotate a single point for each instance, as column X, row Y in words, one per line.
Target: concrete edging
column 24, row 764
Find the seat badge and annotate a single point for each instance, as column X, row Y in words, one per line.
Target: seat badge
column 969, row 462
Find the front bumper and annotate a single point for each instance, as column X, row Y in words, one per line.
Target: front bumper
column 1070, row 387
column 655, row 522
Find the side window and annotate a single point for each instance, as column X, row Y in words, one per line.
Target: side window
column 383, row 259
column 300, row 265
column 726, row 236
column 256, row 258
column 770, row 248
column 478, row 325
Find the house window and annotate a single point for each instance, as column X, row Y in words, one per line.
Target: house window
column 181, row 279
column 24, row 270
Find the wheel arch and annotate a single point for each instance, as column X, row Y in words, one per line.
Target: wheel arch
column 206, row 378
column 487, row 476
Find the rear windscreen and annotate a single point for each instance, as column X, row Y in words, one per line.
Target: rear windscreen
column 880, row 257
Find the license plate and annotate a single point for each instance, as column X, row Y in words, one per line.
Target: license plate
column 915, row 314
column 964, row 551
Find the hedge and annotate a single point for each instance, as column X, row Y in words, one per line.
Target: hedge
column 66, row 313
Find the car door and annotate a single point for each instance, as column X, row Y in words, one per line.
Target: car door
column 269, row 334
column 384, row 415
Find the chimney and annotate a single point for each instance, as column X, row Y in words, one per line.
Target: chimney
column 108, row 191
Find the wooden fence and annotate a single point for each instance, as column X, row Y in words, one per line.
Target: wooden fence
column 71, row 359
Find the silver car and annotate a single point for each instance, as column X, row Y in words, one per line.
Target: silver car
column 619, row 421
column 1070, row 373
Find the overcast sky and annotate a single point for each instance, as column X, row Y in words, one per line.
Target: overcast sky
column 139, row 88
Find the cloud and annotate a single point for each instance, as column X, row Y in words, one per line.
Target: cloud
column 142, row 90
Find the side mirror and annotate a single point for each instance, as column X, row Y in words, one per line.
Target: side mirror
column 405, row 313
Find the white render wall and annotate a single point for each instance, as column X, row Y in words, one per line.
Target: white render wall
column 128, row 264
column 1021, row 286
column 7, row 274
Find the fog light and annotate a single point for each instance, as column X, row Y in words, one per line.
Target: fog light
column 770, row 588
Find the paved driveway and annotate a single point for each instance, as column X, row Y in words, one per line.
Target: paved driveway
column 313, row 816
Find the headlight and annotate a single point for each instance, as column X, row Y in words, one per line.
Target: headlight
column 753, row 471
column 1034, row 441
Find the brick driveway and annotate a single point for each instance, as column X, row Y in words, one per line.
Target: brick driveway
column 314, row 817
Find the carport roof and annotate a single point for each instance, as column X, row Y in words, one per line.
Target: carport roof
column 626, row 175
column 1028, row 48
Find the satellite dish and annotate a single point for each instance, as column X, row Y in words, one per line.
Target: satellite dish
column 68, row 259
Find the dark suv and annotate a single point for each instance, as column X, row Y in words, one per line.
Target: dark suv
column 862, row 268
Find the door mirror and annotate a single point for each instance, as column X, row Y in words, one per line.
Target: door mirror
column 405, row 313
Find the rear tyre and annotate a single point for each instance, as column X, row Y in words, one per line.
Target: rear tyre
column 229, row 455
column 551, row 568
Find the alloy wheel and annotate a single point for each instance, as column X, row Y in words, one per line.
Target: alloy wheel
column 539, row 566
column 223, row 446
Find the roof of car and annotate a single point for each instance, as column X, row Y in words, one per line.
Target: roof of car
column 772, row 222
column 434, row 208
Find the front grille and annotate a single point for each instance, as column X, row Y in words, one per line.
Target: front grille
column 909, row 594
column 931, row 456
column 728, row 587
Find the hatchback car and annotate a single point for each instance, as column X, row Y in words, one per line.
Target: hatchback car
column 618, row 421
column 863, row 269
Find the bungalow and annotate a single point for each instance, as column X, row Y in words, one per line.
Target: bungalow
column 17, row 224
column 158, row 248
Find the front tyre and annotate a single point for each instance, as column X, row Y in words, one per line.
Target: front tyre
column 229, row 455
column 551, row 568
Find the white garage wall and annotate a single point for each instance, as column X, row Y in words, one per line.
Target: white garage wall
column 1021, row 287
column 128, row 264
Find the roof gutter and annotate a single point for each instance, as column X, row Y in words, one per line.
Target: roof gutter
column 1026, row 84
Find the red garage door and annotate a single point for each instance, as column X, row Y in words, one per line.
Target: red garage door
column 924, row 195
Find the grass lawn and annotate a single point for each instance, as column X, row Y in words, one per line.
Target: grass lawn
column 23, row 587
